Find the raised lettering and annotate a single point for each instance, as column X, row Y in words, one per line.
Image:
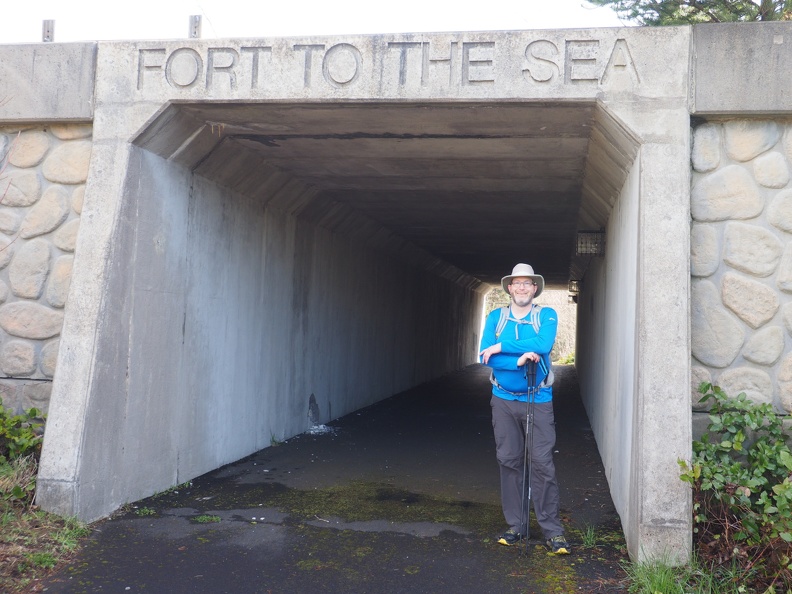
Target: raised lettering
column 486, row 47
column 541, row 65
column 143, row 66
column 211, row 67
column 341, row 64
column 183, row 68
column 581, row 54
column 256, row 52
column 309, row 51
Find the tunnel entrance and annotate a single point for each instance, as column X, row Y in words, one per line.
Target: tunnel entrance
column 354, row 231
column 321, row 212
column 456, row 191
column 261, row 252
column 462, row 181
column 461, row 191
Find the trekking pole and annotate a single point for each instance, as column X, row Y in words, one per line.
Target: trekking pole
column 531, row 401
column 525, row 516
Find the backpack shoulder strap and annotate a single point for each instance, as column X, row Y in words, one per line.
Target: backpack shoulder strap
column 504, row 317
column 535, row 321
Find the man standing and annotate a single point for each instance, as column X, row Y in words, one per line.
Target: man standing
column 528, row 333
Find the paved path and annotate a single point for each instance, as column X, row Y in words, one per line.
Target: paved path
column 400, row 497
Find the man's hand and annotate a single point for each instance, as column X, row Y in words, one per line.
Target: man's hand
column 525, row 357
column 489, row 351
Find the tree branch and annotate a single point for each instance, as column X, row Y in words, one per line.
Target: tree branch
column 705, row 10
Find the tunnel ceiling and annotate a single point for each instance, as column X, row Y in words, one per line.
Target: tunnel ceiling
column 480, row 186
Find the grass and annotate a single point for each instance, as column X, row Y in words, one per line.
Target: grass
column 650, row 578
column 588, row 537
column 173, row 490
column 18, row 478
column 694, row 578
column 32, row 544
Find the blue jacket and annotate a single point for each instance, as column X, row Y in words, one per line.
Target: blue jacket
column 515, row 340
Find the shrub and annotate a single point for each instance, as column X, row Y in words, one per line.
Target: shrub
column 20, row 435
column 20, row 448
column 742, row 492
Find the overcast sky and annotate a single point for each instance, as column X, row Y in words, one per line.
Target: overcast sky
column 90, row 20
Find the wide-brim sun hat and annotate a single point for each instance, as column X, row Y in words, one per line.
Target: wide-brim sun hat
column 523, row 270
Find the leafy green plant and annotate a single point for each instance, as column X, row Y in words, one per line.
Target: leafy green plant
column 567, row 359
column 20, row 435
column 206, row 519
column 742, row 492
column 20, row 448
column 145, row 511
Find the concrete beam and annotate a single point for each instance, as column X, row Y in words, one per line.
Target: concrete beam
column 740, row 68
column 47, row 82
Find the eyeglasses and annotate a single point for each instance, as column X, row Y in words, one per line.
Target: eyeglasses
column 523, row 284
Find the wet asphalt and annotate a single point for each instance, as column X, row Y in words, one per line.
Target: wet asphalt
column 401, row 496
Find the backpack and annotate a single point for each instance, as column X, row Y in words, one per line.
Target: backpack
column 533, row 320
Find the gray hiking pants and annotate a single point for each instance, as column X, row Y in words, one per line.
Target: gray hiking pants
column 509, row 420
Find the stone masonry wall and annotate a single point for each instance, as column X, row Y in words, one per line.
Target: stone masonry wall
column 741, row 259
column 42, row 181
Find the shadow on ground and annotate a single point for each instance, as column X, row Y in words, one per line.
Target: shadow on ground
column 399, row 497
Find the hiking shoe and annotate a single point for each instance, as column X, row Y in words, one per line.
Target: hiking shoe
column 558, row 545
column 510, row 537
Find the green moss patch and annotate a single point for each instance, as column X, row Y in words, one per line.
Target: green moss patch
column 359, row 501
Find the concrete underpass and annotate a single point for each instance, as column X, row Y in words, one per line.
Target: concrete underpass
column 251, row 267
column 402, row 496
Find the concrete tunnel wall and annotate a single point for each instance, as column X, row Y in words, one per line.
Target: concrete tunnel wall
column 148, row 223
column 606, row 352
column 241, row 314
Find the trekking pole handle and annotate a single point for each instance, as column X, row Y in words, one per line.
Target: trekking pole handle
column 530, row 373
